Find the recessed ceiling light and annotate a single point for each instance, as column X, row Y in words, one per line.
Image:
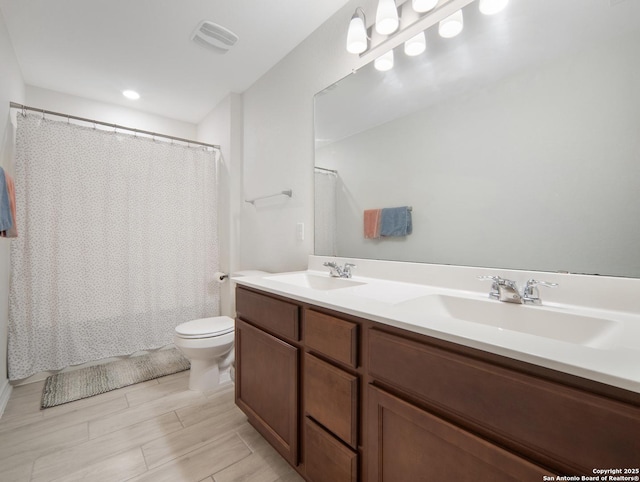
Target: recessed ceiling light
column 131, row 94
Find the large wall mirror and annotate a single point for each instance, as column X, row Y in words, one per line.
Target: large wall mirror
column 516, row 143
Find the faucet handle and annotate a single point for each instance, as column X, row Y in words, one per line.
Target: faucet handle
column 334, row 269
column 532, row 283
column 496, row 280
column 530, row 293
column 346, row 270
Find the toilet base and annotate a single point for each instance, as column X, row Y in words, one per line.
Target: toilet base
column 206, row 376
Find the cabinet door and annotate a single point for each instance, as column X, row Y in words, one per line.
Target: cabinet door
column 410, row 444
column 267, row 387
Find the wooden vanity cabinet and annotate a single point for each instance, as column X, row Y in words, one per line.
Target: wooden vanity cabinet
column 346, row 399
column 267, row 369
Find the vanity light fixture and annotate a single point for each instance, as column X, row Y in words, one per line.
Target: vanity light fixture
column 387, row 20
column 357, row 34
column 421, row 6
column 491, row 7
column 415, row 45
column 131, row 94
column 452, row 25
column 384, row 62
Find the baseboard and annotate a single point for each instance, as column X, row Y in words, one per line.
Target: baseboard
column 5, row 393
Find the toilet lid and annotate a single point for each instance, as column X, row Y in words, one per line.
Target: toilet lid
column 205, row 327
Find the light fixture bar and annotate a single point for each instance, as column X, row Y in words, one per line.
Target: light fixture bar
column 380, row 44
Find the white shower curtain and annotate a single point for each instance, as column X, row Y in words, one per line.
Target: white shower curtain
column 117, row 244
column 325, row 222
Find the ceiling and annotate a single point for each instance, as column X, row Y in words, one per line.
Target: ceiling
column 97, row 48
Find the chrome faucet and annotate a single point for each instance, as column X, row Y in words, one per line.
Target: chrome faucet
column 507, row 290
column 339, row 272
column 503, row 289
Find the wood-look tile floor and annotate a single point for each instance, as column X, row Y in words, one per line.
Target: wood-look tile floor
column 153, row 431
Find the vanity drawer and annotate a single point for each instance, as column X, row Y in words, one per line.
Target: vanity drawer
column 331, row 398
column 326, row 459
column 331, row 336
column 276, row 316
column 568, row 427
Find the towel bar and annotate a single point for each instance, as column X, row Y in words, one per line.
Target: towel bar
column 287, row 192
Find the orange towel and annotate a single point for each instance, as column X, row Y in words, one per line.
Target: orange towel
column 11, row 190
column 372, row 223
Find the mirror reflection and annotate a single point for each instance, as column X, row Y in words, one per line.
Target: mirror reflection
column 516, row 144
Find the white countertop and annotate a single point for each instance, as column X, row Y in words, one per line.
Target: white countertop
column 614, row 360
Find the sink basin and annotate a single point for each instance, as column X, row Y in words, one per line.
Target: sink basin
column 534, row 320
column 315, row 282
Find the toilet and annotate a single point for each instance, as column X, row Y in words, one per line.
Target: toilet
column 208, row 344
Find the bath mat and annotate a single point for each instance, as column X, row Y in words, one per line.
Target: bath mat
column 87, row 382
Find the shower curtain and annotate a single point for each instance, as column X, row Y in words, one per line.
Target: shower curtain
column 326, row 214
column 117, row 244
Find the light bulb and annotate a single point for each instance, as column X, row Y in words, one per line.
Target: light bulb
column 423, row 5
column 415, row 45
column 357, row 34
column 387, row 20
column 491, row 7
column 452, row 25
column 384, row 62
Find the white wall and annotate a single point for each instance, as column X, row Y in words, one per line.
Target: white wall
column 279, row 146
column 111, row 113
column 535, row 190
column 223, row 126
column 11, row 89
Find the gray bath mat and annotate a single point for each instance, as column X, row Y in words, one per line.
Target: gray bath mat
column 87, row 382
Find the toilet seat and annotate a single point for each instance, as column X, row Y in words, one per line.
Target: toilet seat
column 206, row 327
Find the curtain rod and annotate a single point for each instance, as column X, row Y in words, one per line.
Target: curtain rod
column 14, row 105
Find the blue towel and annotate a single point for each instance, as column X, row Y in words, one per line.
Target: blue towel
column 396, row 221
column 6, row 220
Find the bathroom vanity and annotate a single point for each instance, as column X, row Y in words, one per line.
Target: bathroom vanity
column 352, row 398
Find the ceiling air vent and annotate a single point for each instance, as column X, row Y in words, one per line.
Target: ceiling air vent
column 214, row 36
